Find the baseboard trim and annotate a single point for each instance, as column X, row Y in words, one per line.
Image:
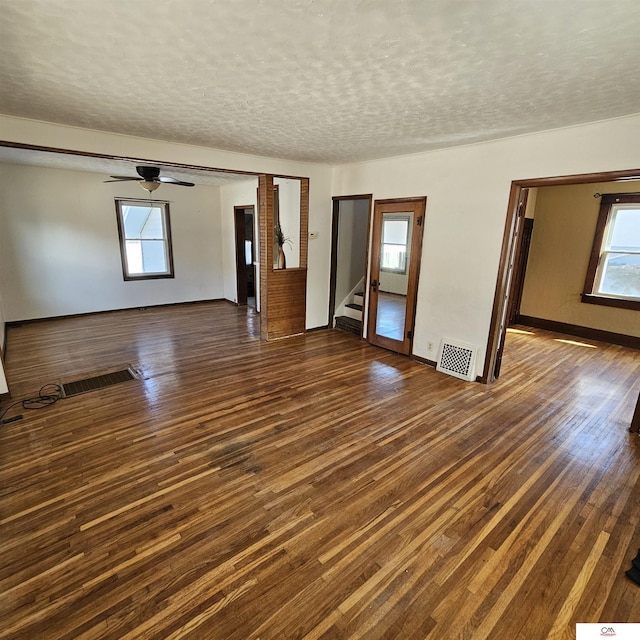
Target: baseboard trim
column 321, row 328
column 18, row 323
column 429, row 363
column 580, row 332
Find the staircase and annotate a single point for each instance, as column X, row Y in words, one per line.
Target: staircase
column 351, row 321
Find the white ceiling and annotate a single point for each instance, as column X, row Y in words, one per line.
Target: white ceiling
column 320, row 80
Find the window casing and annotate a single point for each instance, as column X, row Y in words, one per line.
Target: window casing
column 613, row 276
column 145, row 239
column 395, row 236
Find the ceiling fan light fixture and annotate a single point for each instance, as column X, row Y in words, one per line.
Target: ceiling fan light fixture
column 148, row 185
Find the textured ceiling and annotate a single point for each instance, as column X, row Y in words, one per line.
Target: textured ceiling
column 320, row 80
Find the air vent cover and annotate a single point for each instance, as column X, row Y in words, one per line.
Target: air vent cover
column 97, row 382
column 457, row 359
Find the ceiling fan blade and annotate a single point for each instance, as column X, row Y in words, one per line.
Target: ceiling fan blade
column 181, row 183
column 121, row 178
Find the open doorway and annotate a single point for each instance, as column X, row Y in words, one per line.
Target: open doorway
column 245, row 255
column 552, row 289
column 350, row 233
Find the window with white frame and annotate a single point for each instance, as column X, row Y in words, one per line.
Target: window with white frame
column 145, row 239
column 613, row 277
column 395, row 236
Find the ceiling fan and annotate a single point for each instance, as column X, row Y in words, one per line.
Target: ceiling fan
column 150, row 179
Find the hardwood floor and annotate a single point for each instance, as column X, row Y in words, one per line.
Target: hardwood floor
column 313, row 487
column 392, row 309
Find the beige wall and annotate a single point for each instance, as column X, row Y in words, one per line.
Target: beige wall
column 565, row 222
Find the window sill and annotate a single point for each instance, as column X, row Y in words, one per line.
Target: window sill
column 620, row 303
column 151, row 276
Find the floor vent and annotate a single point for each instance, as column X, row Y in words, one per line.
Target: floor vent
column 457, row 359
column 97, row 382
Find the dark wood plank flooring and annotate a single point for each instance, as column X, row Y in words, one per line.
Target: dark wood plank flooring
column 313, row 487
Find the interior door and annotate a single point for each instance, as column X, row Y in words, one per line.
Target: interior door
column 395, row 264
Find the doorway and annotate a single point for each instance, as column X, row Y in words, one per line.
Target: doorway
column 245, row 255
column 349, row 243
column 504, row 305
column 395, row 263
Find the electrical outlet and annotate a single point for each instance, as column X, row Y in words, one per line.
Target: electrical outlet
column 429, row 346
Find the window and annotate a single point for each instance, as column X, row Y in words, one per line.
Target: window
column 395, row 236
column 145, row 239
column 613, row 277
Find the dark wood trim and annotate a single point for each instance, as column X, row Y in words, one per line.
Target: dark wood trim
column 19, row 323
column 495, row 340
column 7, row 395
column 386, row 201
column 588, row 333
column 304, row 224
column 123, row 253
column 240, row 238
column 367, row 271
column 619, row 303
column 595, row 247
column 323, row 327
column 421, row 360
column 333, row 270
column 635, row 421
column 106, row 156
column 626, row 197
column 515, row 262
column 520, row 269
column 581, row 178
column 604, row 212
column 361, row 196
column 265, row 217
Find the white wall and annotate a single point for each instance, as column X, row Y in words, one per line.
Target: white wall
column 467, row 191
column 59, row 250
column 236, row 194
column 23, row 131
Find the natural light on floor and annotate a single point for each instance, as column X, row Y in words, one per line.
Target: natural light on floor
column 577, row 344
column 529, row 333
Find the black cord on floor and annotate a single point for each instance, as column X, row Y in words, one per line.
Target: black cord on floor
column 43, row 399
